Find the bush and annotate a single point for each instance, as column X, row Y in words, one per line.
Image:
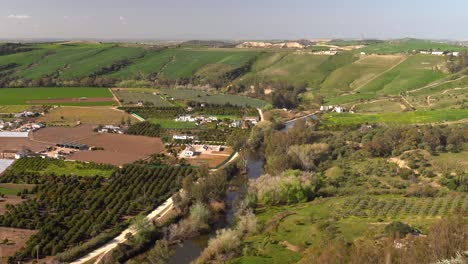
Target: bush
column 224, row 246
column 398, row 228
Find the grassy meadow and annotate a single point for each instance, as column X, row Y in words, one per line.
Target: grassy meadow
column 24, row 96
column 415, row 117
column 415, row 72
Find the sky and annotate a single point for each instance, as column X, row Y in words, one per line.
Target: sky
column 240, row 19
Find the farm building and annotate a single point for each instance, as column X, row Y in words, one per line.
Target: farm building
column 252, row 119
column 438, row 53
column 190, row 152
column 7, row 154
column 8, row 134
column 339, row 109
column 182, row 137
column 111, row 129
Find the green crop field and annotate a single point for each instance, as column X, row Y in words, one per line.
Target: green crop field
column 379, row 106
column 357, row 74
column 343, row 99
column 59, row 59
column 171, row 124
column 131, row 97
column 21, row 96
column 151, row 63
column 57, row 167
column 90, row 65
column 408, row 45
column 296, row 68
column 415, row 72
column 206, row 97
column 187, row 62
column 9, row 109
column 416, row 117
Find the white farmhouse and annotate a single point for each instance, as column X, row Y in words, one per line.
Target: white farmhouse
column 339, row 109
column 190, row 152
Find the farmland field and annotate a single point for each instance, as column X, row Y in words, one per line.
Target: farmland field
column 360, row 72
column 71, row 115
column 381, row 106
column 415, row 72
column 131, row 97
column 90, row 65
column 297, row 68
column 56, row 96
column 416, row 117
column 207, row 97
column 9, row 109
column 60, row 167
column 408, row 45
column 171, row 124
column 59, row 58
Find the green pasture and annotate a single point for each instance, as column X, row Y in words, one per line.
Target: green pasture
column 360, row 72
column 408, row 45
column 415, row 117
column 415, row 72
column 21, row 96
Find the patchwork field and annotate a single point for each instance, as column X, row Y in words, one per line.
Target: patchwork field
column 56, row 96
column 70, row 116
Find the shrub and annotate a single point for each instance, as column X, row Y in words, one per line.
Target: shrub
column 224, row 246
column 398, row 228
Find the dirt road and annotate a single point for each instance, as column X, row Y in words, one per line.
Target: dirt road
column 100, row 252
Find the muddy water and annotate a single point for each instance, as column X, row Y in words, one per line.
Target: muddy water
column 189, row 250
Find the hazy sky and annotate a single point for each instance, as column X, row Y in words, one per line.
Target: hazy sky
column 241, row 19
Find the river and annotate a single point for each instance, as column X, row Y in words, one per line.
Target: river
column 190, row 249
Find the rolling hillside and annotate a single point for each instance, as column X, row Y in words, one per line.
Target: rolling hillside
column 344, row 78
